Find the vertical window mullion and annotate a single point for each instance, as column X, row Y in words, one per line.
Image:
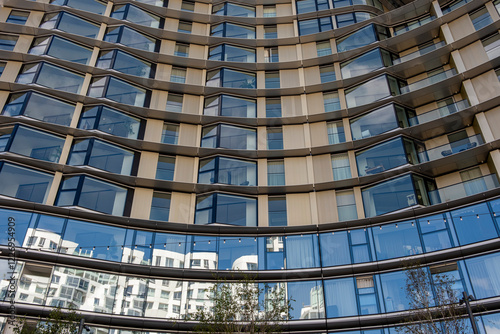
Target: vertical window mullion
column 11, row 138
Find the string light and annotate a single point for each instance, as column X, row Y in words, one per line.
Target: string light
column 239, row 240
column 461, row 218
column 150, row 245
column 477, row 216
column 107, row 248
column 412, row 224
column 396, row 225
column 428, row 221
column 179, row 244
column 209, row 242
column 93, row 248
column 380, row 226
column 165, row 245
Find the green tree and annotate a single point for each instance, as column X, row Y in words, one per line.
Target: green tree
column 57, row 322
column 243, row 306
column 433, row 302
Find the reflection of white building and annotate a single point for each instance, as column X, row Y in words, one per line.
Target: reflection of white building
column 315, row 310
column 246, row 262
column 46, row 240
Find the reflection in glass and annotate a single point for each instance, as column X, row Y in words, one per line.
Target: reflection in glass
column 232, row 9
column 226, row 209
column 228, row 171
column 361, row 37
column 228, row 136
column 227, row 29
column 228, row 52
column 340, row 298
column 94, row 6
column 366, row 63
column 473, row 224
column 373, row 90
column 231, row 79
column 70, row 23
column 119, row 91
column 306, row 299
column 24, row 183
column 396, row 240
column 124, row 63
column 129, row 37
column 381, row 120
column 227, row 105
column 136, row 15
column 302, row 251
column 51, row 76
column 237, row 253
column 61, row 48
column 109, row 120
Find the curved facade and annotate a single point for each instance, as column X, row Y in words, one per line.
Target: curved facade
column 147, row 147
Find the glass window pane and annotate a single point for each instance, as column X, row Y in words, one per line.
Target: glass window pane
column 376, row 122
column 94, row 6
column 368, row 92
column 24, row 183
column 61, row 48
column 160, row 207
column 307, row 300
column 396, row 240
column 36, row 144
column 484, row 275
column 237, row 253
column 302, row 251
column 340, row 298
column 71, row 24
column 334, row 249
column 277, row 211
column 110, row 121
column 381, row 157
column 361, row 37
column 473, row 224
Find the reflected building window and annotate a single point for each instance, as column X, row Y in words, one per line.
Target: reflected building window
column 136, row 15
column 70, row 23
column 232, row 106
column 228, row 136
column 165, row 168
column 51, row 76
column 119, row 91
column 125, row 63
column 160, row 206
column 61, row 48
column 24, row 183
column 226, row 209
column 227, row 171
column 110, row 121
column 276, row 206
column 131, row 38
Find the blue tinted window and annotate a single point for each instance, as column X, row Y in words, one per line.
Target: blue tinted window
column 226, row 105
column 393, row 288
column 129, row 37
column 361, row 37
column 484, row 274
column 170, row 133
column 61, row 48
column 136, row 15
column 389, row 196
column 340, row 298
column 70, row 23
column 366, row 63
column 226, row 209
column 376, row 122
column 7, row 42
column 396, row 240
column 473, row 224
column 39, row 106
column 173, row 246
column 327, row 73
column 227, row 136
column 51, row 76
column 227, row 29
column 165, row 168
column 302, row 251
column 119, row 91
column 18, row 220
column 435, row 233
column 381, row 157
column 276, row 207
column 17, row 17
column 334, row 249
column 227, row 52
column 306, row 300
column 94, row 6
column 272, row 79
column 276, row 173
column 273, row 107
column 274, row 138
column 336, row 133
column 314, row 26
column 230, row 78
column 110, row 121
column 102, row 155
column 24, row 183
column 306, row 6
column 368, row 92
column 160, row 207
column 238, row 253
column 232, row 9
column 228, row 171
column 35, row 144
column 125, row 63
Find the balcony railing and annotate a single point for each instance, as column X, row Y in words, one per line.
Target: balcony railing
column 429, row 81
column 464, row 189
column 419, row 53
column 451, row 148
column 439, row 112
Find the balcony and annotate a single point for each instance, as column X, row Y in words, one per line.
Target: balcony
column 429, row 81
column 451, row 148
column 464, row 189
column 439, row 112
column 419, row 53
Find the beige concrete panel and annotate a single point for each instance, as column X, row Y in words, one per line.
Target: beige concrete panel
column 473, row 55
column 200, row 29
column 289, row 78
column 188, row 133
column 148, row 164
column 23, row 43
column 485, row 169
column 296, row 171
column 322, row 166
column 184, row 169
column 285, row 30
column 293, row 136
column 416, row 78
column 284, row 9
column 175, row 4
column 291, row 106
column 461, row 27
column 448, row 180
column 86, row 84
column 141, row 204
column 191, row 104
column 171, row 24
column 194, row 76
column 314, row 208
column 76, row 115
column 343, row 103
column 262, row 172
column 263, row 210
column 261, row 138
column 446, row 34
column 425, row 108
column 333, row 42
column 259, row 11
column 359, row 202
column 4, row 95
column 436, row 9
column 182, row 208
column 307, row 136
column 109, row 8
column 54, row 187
column 319, row 134
column 200, row 7
column 10, row 71
column 261, row 107
column 102, row 32
column 4, row 13
column 468, row 90
column 492, row 11
column 309, row 50
column 154, row 129
column 347, row 129
column 158, row 99
column 494, row 161
column 492, row 117
column 260, row 55
column 312, row 75
column 94, row 56
column 65, row 150
column 259, row 32
column 315, row 104
column 408, row 51
column 163, row 72
column 34, row 19
column 456, row 60
column 298, row 208
column 167, row 47
column 486, row 86
column 197, row 51
column 287, row 53
column 352, row 163
column 261, row 79
column 435, row 142
column 470, row 131
column 327, row 210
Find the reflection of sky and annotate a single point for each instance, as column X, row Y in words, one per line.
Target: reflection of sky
column 22, row 220
column 5, row 270
column 233, row 249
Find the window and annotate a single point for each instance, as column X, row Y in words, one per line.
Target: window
column 381, row 120
column 367, row 297
column 131, row 38
column 18, row 17
column 396, row 240
column 491, row 45
column 271, row 55
column 346, row 205
column 331, row 101
column 314, row 26
column 341, row 167
column 93, row 194
column 327, row 73
column 178, row 75
column 480, row 18
column 340, row 297
column 273, row 107
column 170, row 133
column 185, row 27
column 302, row 251
column 232, row 9
column 70, row 23
column 225, row 77
column 174, row 102
column 125, row 63
column 228, row 136
column 435, row 233
column 119, row 91
column 39, row 106
column 160, row 208
column 275, row 173
column 306, row 6
column 61, row 48
column 94, row 6
column 227, row 29
column 181, row 50
column 227, row 171
column 7, row 43
column 101, row 155
column 277, row 210
column 24, row 183
column 187, row 6
column 373, row 90
column 344, row 20
column 274, row 138
column 366, row 63
column 324, row 48
column 111, row 121
column 227, row 105
column 272, row 79
column 361, row 37
column 165, row 168
column 335, row 132
column 410, row 25
column 29, row 142
column 226, row 209
column 227, row 52
column 136, row 15
column 2, row 67
column 45, row 74
column 269, row 11
column 271, row 31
